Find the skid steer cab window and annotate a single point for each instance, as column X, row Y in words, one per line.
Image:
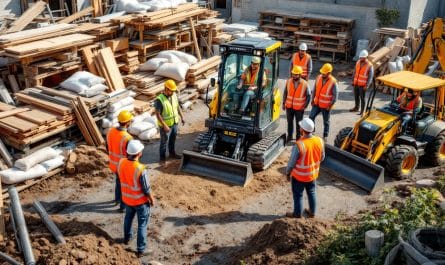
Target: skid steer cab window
column 243, row 78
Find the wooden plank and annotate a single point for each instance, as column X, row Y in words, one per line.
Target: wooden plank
column 18, row 123
column 97, row 6
column 51, row 107
column 88, row 56
column 13, row 82
column 77, row 15
column 91, row 124
column 111, row 67
column 101, row 68
column 12, row 112
column 37, row 116
column 117, row 44
column 81, row 123
column 27, row 17
column 195, row 40
column 2, row 217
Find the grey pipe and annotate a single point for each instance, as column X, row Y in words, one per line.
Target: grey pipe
column 8, row 259
column 22, row 230
column 52, row 227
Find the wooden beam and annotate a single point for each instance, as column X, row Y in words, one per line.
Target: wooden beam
column 195, row 41
column 77, row 15
column 88, row 56
column 27, row 17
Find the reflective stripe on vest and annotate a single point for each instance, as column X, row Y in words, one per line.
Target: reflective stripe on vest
column 303, row 62
column 117, row 146
column 307, row 167
column 296, row 98
column 169, row 109
column 361, row 74
column 323, row 93
column 129, row 174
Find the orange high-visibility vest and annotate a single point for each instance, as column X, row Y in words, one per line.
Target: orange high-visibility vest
column 323, row 93
column 303, row 62
column 307, row 167
column 408, row 105
column 296, row 97
column 117, row 146
column 129, row 174
column 361, row 73
column 250, row 78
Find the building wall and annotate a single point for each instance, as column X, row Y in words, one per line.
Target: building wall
column 422, row 11
column 10, row 7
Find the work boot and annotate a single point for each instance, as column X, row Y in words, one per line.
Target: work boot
column 144, row 253
column 292, row 215
column 353, row 109
column 174, row 156
column 309, row 213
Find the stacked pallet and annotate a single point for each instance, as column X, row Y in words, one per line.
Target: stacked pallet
column 381, row 34
column 209, row 29
column 202, row 71
column 127, row 61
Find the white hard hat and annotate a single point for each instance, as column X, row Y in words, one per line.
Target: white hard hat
column 307, row 125
column 363, row 54
column 134, row 147
column 256, row 59
column 302, row 47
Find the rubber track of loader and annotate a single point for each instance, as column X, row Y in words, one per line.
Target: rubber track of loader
column 257, row 153
column 201, row 142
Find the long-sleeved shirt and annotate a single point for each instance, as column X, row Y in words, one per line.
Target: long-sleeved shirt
column 334, row 92
column 370, row 75
column 295, row 154
column 309, row 66
column 145, row 182
column 308, row 94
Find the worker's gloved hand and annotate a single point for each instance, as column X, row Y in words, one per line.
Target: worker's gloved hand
column 166, row 129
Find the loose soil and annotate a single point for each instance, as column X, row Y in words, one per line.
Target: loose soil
column 284, row 241
column 85, row 244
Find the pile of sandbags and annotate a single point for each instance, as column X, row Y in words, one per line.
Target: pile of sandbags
column 85, row 84
column 171, row 64
column 35, row 165
column 143, row 127
column 134, row 6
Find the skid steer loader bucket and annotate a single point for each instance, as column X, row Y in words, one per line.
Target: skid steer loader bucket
column 355, row 169
column 216, row 167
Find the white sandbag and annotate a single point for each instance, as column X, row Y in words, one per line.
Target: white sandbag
column 152, row 119
column 15, row 175
column 239, row 35
column 74, row 86
column 171, row 58
column 176, row 71
column 120, row 104
column 113, row 115
column 184, row 57
column 131, row 6
column 399, row 63
column 187, row 104
column 93, row 90
column 137, row 128
column 147, row 135
column 152, row 64
column 257, row 34
column 389, row 42
column 141, row 117
column 132, row 94
column 35, row 158
column 54, row 163
column 105, row 131
column 392, row 66
column 87, row 78
column 106, row 123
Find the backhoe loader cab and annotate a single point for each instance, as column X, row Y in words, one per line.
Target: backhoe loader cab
column 377, row 141
column 241, row 134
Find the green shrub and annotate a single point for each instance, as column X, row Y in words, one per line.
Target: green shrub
column 387, row 17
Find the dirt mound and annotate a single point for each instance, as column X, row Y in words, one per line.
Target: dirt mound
column 90, row 158
column 86, row 244
column 284, row 241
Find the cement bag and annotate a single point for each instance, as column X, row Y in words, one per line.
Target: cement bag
column 54, row 163
column 185, row 57
column 87, row 78
column 389, row 42
column 106, row 123
column 399, row 63
column 239, row 35
column 74, row 86
column 93, row 90
column 171, row 58
column 141, row 117
column 257, row 34
column 113, row 115
column 392, row 66
column 120, row 104
column 137, row 128
column 35, row 158
column 147, row 135
column 15, row 175
column 131, row 6
column 152, row 119
column 152, row 64
column 176, row 71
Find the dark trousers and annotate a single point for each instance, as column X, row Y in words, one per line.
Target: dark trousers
column 118, row 192
column 169, row 138
column 293, row 116
column 359, row 96
column 326, row 115
column 298, row 188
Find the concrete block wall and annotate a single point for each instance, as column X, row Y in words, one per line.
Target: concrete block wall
column 10, row 7
column 422, row 11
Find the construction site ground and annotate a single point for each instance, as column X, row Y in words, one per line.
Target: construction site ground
column 195, row 220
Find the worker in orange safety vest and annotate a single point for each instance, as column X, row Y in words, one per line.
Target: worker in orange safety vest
column 303, row 59
column 136, row 194
column 362, row 78
column 409, row 102
column 296, row 98
column 117, row 140
column 303, row 168
column 325, row 95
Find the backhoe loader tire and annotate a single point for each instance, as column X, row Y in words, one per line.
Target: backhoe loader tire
column 201, row 142
column 341, row 136
column 402, row 161
column 262, row 154
column 435, row 151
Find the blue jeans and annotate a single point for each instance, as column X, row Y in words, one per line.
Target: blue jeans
column 249, row 94
column 297, row 193
column 326, row 115
column 169, row 137
column 406, row 119
column 118, row 192
column 293, row 116
column 143, row 214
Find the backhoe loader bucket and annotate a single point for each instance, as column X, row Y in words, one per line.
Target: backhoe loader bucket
column 355, row 169
column 216, row 167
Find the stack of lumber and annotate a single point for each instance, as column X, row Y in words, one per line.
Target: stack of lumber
column 382, row 56
column 381, row 34
column 86, row 123
column 27, row 17
column 209, row 29
column 148, row 85
column 202, row 70
column 127, row 61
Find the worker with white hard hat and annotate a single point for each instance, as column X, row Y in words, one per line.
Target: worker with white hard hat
column 303, row 59
column 325, row 94
column 303, row 168
column 168, row 113
column 249, row 81
column 117, row 141
column 296, row 98
column 136, row 194
column 362, row 78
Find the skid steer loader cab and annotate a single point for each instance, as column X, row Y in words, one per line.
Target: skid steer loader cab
column 377, row 141
column 243, row 119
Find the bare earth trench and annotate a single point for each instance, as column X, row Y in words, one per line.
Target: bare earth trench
column 198, row 221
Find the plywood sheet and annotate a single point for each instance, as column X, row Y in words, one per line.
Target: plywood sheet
column 18, row 123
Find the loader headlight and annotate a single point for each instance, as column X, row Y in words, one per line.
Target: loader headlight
column 222, row 49
column 258, row 52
